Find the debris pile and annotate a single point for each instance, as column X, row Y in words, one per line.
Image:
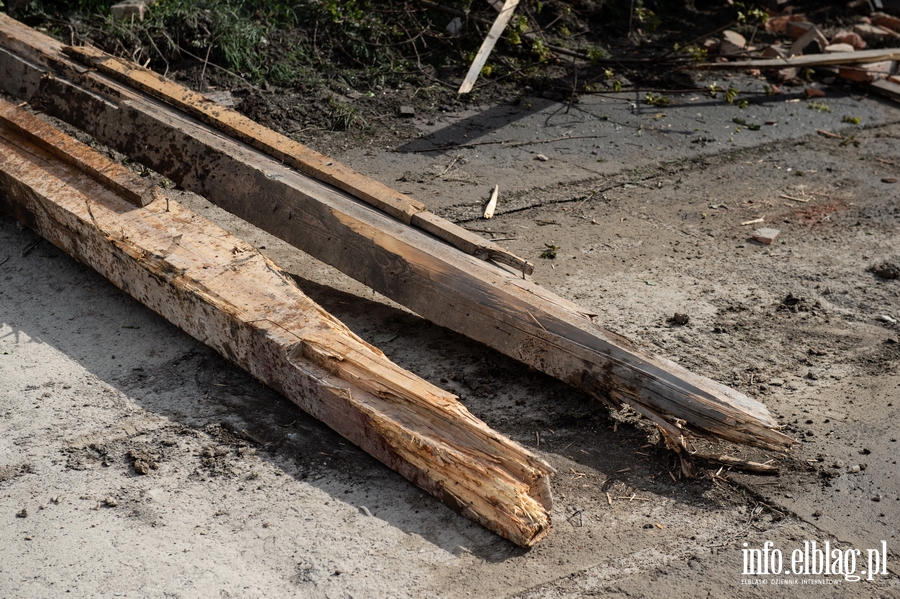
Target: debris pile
column 865, row 52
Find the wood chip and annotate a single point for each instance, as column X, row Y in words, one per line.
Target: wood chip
column 492, row 204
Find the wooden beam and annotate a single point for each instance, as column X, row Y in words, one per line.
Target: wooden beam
column 506, row 13
column 75, row 154
column 305, row 160
column 885, row 87
column 224, row 292
column 452, row 289
column 810, row 60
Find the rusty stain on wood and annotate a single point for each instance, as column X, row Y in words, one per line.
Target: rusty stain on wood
column 224, row 292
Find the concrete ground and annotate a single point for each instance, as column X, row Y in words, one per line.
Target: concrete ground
column 249, row 497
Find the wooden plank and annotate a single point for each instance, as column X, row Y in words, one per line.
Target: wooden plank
column 506, row 13
column 233, row 123
column 307, row 161
column 452, row 289
column 224, row 292
column 74, row 153
column 811, row 60
column 885, row 87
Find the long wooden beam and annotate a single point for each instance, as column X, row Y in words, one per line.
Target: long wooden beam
column 808, row 60
column 453, row 289
column 305, row 160
column 224, row 292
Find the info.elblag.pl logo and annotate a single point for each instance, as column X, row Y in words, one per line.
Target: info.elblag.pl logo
column 813, row 559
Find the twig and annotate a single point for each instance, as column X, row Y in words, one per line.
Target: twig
column 738, row 463
column 829, row 134
column 754, row 221
column 537, row 322
column 574, row 86
column 530, row 36
column 630, row 18
column 5, row 260
column 30, row 247
column 497, row 29
column 577, row 474
column 787, row 197
column 580, row 520
column 205, row 62
column 449, row 166
column 509, row 143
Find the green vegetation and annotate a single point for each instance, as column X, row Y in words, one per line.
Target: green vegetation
column 744, row 123
column 362, row 44
column 351, row 47
column 657, row 100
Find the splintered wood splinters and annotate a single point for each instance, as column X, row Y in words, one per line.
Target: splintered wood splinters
column 492, row 203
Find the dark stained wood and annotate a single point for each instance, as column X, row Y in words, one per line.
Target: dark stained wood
column 307, row 161
column 224, row 292
column 453, row 289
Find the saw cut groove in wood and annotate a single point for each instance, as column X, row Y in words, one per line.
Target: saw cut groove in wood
column 296, row 155
column 224, row 292
column 448, row 287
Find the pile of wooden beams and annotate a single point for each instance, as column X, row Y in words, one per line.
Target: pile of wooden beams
column 224, row 292
column 162, row 253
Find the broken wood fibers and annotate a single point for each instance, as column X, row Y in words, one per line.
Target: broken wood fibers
column 467, row 295
column 224, row 292
column 307, row 161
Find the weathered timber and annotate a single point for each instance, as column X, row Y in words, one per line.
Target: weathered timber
column 887, row 88
column 75, row 154
column 452, row 289
column 810, row 60
column 224, row 292
column 506, row 13
column 307, row 161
